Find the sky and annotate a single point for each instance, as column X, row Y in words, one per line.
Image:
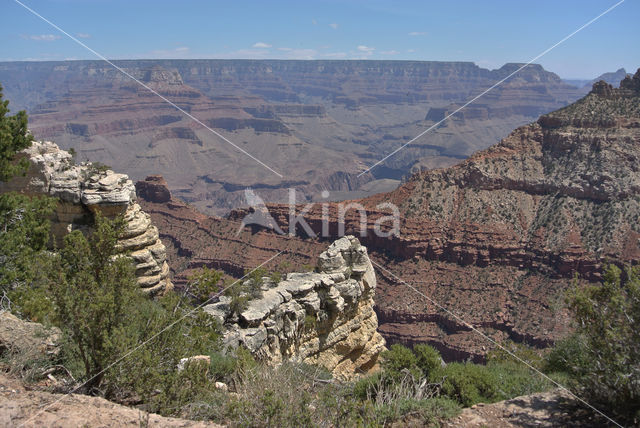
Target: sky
column 489, row 33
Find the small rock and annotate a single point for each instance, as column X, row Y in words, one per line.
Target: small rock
column 197, row 359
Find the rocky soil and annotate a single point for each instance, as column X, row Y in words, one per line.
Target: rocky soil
column 547, row 409
column 22, row 407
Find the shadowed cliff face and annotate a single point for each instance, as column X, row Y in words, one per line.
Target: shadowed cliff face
column 496, row 239
column 319, row 123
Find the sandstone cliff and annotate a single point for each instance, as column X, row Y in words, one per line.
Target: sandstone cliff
column 85, row 189
column 324, row 318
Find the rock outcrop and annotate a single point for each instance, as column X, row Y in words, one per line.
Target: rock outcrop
column 86, row 189
column 324, row 318
column 154, row 188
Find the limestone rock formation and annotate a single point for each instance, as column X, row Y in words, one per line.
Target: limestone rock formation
column 154, row 188
column 85, row 189
column 324, row 318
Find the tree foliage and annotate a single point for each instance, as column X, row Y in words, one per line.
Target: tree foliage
column 14, row 136
column 24, row 234
column 92, row 288
column 204, row 284
column 99, row 305
column 603, row 356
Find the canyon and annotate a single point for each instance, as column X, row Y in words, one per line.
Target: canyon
column 325, row 318
column 317, row 123
column 495, row 241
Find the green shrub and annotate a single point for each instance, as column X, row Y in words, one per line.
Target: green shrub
column 429, row 412
column 25, row 233
column 123, row 344
column 428, row 358
column 568, row 356
column 14, row 136
column 239, row 298
column 399, row 360
column 367, row 387
column 94, row 168
column 467, row 383
column 91, row 289
column 514, row 379
column 520, row 350
column 223, row 366
column 607, row 345
column 204, row 284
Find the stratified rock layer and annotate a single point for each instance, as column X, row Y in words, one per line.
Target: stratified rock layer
column 82, row 191
column 320, row 122
column 324, row 318
column 498, row 238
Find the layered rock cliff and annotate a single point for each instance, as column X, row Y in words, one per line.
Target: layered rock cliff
column 86, row 189
column 324, row 318
column 319, row 123
column 498, row 237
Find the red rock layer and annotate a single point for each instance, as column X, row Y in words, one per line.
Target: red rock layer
column 493, row 242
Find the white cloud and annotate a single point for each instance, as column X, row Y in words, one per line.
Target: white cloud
column 362, row 52
column 301, row 54
column 83, row 35
column 411, row 50
column 418, row 33
column 366, row 49
column 391, row 52
column 283, row 53
column 41, row 37
column 261, row 45
column 334, row 25
column 314, row 22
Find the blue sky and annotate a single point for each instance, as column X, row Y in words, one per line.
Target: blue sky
column 489, row 33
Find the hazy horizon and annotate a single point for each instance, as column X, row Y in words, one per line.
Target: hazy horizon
column 487, row 34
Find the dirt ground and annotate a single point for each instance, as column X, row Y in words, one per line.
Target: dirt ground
column 548, row 409
column 20, row 407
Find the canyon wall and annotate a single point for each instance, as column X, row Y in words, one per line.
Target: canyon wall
column 497, row 239
column 86, row 189
column 318, row 123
